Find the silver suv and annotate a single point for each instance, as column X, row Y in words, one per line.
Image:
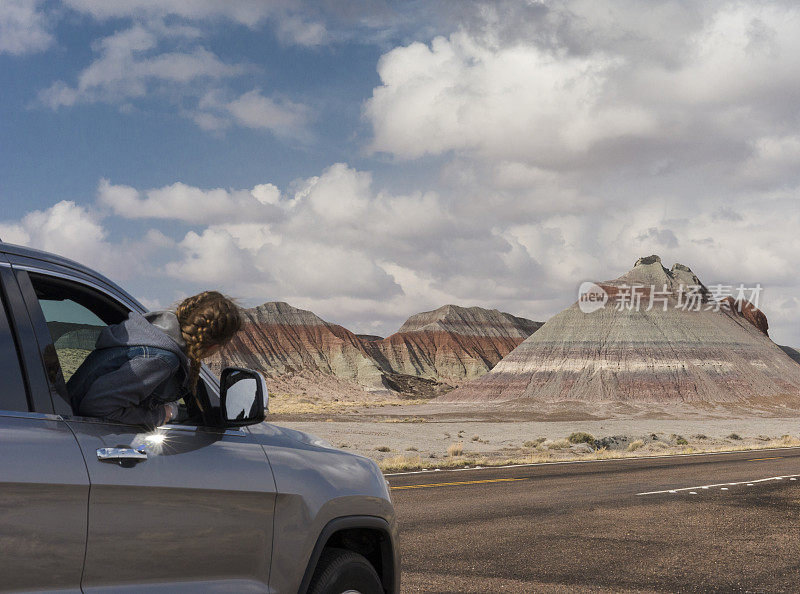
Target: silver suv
column 225, row 504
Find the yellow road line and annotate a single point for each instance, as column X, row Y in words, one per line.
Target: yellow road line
column 429, row 485
column 757, row 459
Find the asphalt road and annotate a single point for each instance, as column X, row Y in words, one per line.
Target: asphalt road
column 605, row 526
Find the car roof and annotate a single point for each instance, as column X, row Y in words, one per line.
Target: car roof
column 50, row 258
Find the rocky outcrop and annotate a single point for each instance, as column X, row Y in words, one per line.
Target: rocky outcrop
column 433, row 351
column 661, row 351
column 749, row 312
column 280, row 340
column 452, row 344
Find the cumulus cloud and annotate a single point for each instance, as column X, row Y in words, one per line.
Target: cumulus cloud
column 576, row 90
column 71, row 230
column 189, row 204
column 518, row 102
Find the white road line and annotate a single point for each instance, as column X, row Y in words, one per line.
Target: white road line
column 724, row 486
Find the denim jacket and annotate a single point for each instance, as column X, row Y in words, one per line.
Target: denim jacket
column 136, row 368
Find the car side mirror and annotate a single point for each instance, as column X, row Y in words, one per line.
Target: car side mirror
column 242, row 397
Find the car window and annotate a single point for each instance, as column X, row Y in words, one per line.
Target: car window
column 13, row 395
column 74, row 330
column 70, row 318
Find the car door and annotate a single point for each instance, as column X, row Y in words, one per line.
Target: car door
column 179, row 508
column 44, row 486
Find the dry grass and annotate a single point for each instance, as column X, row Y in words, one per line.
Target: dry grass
column 400, row 463
column 455, row 449
column 635, row 445
column 559, row 444
column 409, row 463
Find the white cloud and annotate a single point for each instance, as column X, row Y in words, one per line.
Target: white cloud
column 292, row 23
column 281, row 117
column 591, row 83
column 189, row 204
column 73, row 231
column 517, row 102
column 24, row 27
column 247, row 12
column 131, row 65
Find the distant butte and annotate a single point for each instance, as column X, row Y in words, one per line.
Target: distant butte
column 671, row 356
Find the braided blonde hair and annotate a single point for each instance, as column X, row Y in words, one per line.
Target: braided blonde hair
column 207, row 319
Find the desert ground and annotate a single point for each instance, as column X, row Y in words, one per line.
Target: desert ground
column 404, row 435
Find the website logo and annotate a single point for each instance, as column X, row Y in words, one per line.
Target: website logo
column 591, row 297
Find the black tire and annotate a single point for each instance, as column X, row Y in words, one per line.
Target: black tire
column 339, row 571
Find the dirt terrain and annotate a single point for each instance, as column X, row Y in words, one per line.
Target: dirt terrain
column 408, row 436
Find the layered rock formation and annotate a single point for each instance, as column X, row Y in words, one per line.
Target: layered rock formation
column 667, row 353
column 433, row 351
column 280, row 340
column 452, row 344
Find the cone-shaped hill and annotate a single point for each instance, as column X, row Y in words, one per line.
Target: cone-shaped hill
column 624, row 353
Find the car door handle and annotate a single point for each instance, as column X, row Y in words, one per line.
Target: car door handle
column 121, row 454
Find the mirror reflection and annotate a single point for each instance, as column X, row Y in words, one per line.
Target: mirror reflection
column 241, row 402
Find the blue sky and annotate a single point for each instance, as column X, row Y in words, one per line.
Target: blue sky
column 368, row 160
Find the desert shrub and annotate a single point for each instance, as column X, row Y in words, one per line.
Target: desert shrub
column 635, row 445
column 383, row 449
column 700, row 436
column 455, row 449
column 411, row 449
column 400, row 463
column 476, row 438
column 680, row 440
column 735, row 436
column 581, row 437
column 343, row 445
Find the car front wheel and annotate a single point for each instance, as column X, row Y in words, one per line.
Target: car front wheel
column 340, row 571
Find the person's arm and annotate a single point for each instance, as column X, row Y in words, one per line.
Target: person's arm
column 117, row 396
